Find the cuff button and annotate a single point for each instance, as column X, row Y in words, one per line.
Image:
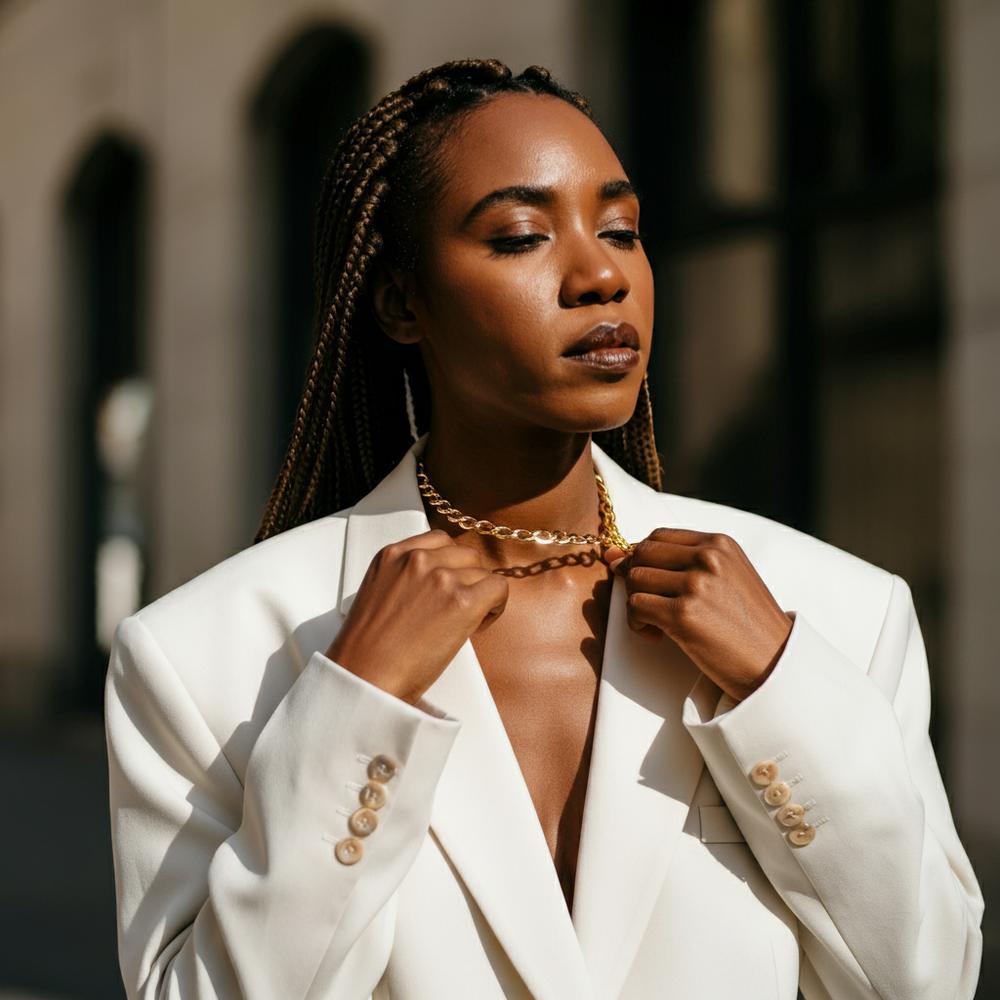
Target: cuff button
column 363, row 821
column 349, row 850
column 381, row 768
column 764, row 772
column 777, row 793
column 791, row 814
column 802, row 835
column 372, row 795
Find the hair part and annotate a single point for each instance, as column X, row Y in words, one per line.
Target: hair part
column 352, row 424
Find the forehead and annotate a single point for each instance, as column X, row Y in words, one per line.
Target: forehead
column 524, row 139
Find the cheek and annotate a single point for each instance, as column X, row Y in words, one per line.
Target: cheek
column 494, row 310
column 642, row 285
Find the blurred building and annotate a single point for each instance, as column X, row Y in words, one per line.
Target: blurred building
column 821, row 191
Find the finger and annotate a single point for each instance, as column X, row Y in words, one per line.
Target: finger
column 665, row 555
column 680, row 536
column 616, row 559
column 612, row 553
column 649, row 609
column 436, row 538
column 652, row 633
column 491, row 591
column 467, row 576
column 653, row 580
column 453, row 557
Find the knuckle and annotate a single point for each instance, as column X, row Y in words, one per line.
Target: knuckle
column 642, row 549
column 419, row 560
column 710, row 558
column 461, row 599
column 683, row 610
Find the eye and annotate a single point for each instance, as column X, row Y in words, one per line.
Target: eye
column 624, row 238
column 516, row 244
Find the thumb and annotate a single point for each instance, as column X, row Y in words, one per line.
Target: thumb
column 617, row 559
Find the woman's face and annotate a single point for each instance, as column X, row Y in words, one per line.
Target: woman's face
column 509, row 281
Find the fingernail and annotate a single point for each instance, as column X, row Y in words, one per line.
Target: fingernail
column 614, row 564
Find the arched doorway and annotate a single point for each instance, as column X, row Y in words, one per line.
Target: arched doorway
column 108, row 402
column 307, row 98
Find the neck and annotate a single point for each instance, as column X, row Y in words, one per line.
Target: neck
column 522, row 479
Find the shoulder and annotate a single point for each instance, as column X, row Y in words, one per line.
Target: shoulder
column 843, row 594
column 768, row 536
column 284, row 567
column 237, row 635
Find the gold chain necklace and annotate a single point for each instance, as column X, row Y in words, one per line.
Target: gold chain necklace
column 609, row 536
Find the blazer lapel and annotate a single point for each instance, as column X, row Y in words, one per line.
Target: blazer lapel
column 643, row 772
column 485, row 820
column 644, row 765
column 483, row 815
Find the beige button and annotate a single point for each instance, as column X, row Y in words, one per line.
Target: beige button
column 381, row 768
column 802, row 835
column 764, row 772
column 363, row 821
column 373, row 795
column 777, row 793
column 791, row 814
column 349, row 850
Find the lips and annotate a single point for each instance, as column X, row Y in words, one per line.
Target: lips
column 605, row 335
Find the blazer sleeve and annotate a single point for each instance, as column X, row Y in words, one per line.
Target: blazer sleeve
column 231, row 889
column 888, row 905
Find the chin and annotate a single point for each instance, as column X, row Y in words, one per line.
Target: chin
column 607, row 410
column 599, row 406
column 592, row 420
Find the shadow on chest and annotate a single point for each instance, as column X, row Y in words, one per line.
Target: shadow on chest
column 542, row 662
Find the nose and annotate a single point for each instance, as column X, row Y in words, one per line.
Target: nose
column 592, row 274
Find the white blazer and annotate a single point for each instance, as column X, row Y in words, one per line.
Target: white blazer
column 238, row 749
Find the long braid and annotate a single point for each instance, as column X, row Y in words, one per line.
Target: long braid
column 352, row 425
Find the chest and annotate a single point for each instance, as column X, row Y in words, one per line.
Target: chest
column 542, row 661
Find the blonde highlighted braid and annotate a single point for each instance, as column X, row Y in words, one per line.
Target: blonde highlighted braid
column 351, row 425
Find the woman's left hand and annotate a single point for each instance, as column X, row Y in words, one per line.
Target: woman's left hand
column 701, row 590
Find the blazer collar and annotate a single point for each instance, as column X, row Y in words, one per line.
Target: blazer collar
column 643, row 772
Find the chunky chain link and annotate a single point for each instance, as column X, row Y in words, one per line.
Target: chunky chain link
column 609, row 536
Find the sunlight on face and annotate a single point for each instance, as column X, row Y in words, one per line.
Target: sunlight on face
column 531, row 243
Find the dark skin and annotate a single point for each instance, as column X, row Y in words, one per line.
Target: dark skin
column 510, row 442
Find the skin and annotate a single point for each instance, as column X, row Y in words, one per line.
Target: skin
column 510, row 442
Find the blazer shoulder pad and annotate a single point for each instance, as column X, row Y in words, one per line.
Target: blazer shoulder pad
column 278, row 571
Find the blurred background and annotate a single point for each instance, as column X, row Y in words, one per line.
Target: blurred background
column 821, row 194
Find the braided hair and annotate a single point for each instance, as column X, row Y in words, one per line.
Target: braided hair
column 352, row 423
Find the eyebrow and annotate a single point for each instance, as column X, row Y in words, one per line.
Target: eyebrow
column 526, row 194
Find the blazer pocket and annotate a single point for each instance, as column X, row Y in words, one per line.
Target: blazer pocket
column 718, row 826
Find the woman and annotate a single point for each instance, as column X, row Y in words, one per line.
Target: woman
column 641, row 746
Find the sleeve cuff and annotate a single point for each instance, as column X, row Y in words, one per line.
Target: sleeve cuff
column 699, row 709
column 830, row 729
column 422, row 706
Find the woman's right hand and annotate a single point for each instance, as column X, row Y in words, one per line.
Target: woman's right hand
column 420, row 599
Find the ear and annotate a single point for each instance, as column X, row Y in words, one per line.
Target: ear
column 392, row 293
